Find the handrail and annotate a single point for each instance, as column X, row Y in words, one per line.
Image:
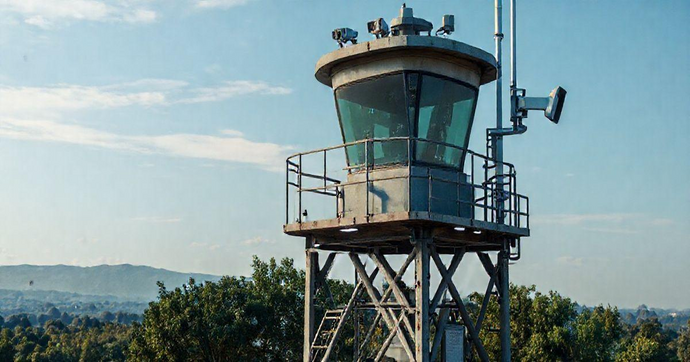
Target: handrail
column 392, row 139
column 492, row 198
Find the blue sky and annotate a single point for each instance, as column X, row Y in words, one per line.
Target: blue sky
column 153, row 132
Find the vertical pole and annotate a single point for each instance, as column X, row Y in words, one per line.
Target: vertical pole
column 312, row 258
column 497, row 138
column 503, row 260
column 421, row 336
column 513, row 46
column 355, row 322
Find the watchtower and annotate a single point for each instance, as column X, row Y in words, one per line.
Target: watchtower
column 407, row 185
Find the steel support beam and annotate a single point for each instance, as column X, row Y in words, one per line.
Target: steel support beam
column 503, row 261
column 421, row 277
column 474, row 335
column 386, row 313
column 312, row 269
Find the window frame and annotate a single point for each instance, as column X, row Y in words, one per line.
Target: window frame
column 413, row 120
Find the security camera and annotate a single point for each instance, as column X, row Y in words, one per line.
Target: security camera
column 378, row 27
column 344, row 35
column 447, row 25
column 551, row 105
column 555, row 107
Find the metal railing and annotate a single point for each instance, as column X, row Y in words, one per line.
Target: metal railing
column 309, row 173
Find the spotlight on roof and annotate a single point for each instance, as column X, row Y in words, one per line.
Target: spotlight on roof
column 344, row 35
column 459, row 228
column 348, row 230
column 447, row 25
column 477, row 232
column 378, row 27
column 551, row 105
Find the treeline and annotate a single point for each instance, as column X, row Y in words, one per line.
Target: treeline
column 260, row 319
column 34, row 302
column 53, row 315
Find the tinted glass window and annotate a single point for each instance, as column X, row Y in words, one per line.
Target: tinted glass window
column 374, row 108
column 445, row 115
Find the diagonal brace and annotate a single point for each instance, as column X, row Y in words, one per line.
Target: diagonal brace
column 461, row 306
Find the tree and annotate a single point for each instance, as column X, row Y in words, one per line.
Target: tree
column 546, row 327
column 234, row 319
column 647, row 341
column 597, row 334
column 682, row 344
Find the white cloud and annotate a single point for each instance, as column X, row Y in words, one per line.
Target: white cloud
column 232, row 89
column 44, row 13
column 662, row 222
column 38, row 21
column 145, row 92
column 47, row 100
column 37, row 113
column 223, row 4
column 221, row 148
column 140, row 16
column 256, row 241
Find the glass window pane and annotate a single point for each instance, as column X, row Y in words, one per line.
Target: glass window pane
column 374, row 108
column 445, row 115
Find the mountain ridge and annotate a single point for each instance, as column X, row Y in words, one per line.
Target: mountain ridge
column 124, row 281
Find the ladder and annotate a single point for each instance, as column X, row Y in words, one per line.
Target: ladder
column 325, row 333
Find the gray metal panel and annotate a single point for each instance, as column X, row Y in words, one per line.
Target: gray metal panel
column 432, row 46
column 434, row 190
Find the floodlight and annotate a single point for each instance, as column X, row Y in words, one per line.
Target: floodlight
column 447, row 25
column 344, row 35
column 551, row 105
column 378, row 27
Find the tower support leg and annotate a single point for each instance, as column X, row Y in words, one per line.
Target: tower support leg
column 504, row 286
column 422, row 301
column 312, row 269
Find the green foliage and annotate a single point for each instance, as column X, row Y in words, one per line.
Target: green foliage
column 107, row 342
column 547, row 327
column 597, row 334
column 682, row 344
column 233, row 319
column 648, row 341
column 260, row 319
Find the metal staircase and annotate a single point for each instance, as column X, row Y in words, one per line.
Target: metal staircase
column 329, row 327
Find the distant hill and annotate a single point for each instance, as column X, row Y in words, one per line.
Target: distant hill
column 125, row 281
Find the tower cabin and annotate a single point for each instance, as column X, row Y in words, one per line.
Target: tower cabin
column 405, row 104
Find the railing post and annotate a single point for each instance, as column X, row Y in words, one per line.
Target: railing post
column 472, row 183
column 485, row 185
column 287, row 191
column 409, row 174
column 366, row 167
column 299, row 189
column 429, row 180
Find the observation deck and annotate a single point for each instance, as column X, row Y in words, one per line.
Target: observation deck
column 367, row 204
column 405, row 106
